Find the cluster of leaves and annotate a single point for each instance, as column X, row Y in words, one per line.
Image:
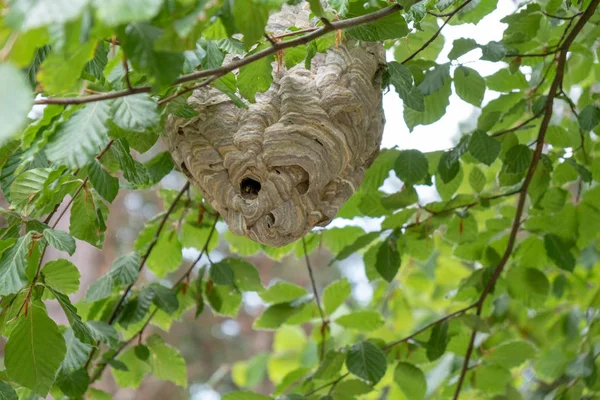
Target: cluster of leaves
column 465, row 316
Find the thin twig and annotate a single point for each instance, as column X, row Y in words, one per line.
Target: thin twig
column 562, row 18
column 222, row 70
column 518, row 126
column 437, row 33
column 554, row 89
column 115, row 312
column 332, row 383
column 453, row 315
column 324, row 321
column 100, row 368
column 126, row 68
column 186, row 90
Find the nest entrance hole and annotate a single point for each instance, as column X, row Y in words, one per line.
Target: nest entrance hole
column 249, row 188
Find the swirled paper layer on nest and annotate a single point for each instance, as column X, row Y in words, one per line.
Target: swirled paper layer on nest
column 290, row 161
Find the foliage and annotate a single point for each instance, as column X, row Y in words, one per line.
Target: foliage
column 490, row 292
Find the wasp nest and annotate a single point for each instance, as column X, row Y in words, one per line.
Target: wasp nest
column 289, row 161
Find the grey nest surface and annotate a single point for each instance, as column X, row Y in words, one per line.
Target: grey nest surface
column 290, row 160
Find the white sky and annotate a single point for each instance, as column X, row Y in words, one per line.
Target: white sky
column 439, row 135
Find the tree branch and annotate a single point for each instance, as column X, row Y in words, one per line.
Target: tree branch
column 324, row 321
column 100, row 368
column 113, row 316
column 437, row 33
column 554, row 90
column 220, row 71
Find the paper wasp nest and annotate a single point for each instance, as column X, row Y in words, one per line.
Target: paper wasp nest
column 289, row 161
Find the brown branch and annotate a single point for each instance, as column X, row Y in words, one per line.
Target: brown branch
column 100, row 368
column 518, row 126
column 437, row 33
column 324, row 321
column 453, row 315
column 115, row 312
column 554, row 89
column 562, row 18
column 295, row 33
column 126, row 68
column 333, row 384
column 548, row 53
column 222, row 70
column 186, row 90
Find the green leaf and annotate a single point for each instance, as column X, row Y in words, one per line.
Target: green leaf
column 135, row 113
column 164, row 298
column 559, row 252
column 255, row 77
column 61, row 275
column 469, row 85
column 7, row 392
column 138, row 44
column 316, row 8
column 104, row 183
column 245, row 396
column 34, row 351
column 245, row 275
column 351, row 387
column 13, row 265
column 166, row 362
column 589, row 117
column 128, row 10
column 436, row 346
column 331, row 366
column 411, row 166
column 477, row 180
column 461, row 47
column 80, row 330
column 491, row 379
column 281, row 292
column 517, row 159
column 99, row 290
column 133, row 170
column 104, row 332
column 125, row 269
column 528, row 285
column 504, row 81
column 493, row 51
column 73, row 384
column 364, row 321
column 26, row 189
column 510, row 355
column 250, row 18
column 166, row 254
column 417, row 39
column 81, row 137
column 77, row 352
column 15, row 101
column 60, row 240
column 391, row 27
column 411, row 381
column 435, row 79
column 136, row 370
column 221, row 273
column 484, row 148
column 159, row 167
column 87, row 218
column 335, row 294
column 224, row 300
column 276, row 315
column 402, row 79
column 388, row 259
column 435, row 108
column 366, row 361
column 358, row 244
column 59, row 73
column 448, row 167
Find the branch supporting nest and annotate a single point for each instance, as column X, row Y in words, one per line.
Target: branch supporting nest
column 289, row 161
